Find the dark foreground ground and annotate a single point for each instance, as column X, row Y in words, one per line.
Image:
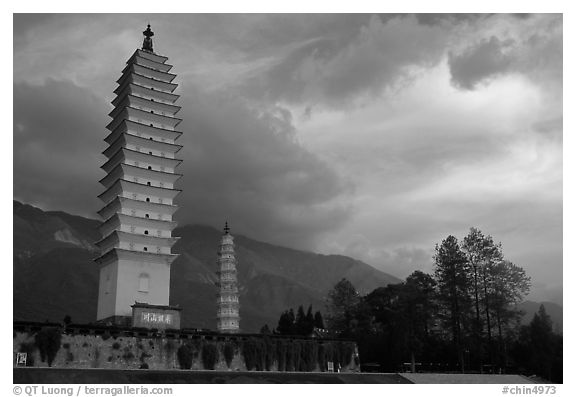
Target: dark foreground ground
column 115, row 376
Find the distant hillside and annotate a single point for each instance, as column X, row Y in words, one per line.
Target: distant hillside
column 54, row 274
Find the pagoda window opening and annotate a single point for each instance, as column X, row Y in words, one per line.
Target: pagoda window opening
column 152, row 111
column 145, row 248
column 147, row 215
column 149, row 152
column 151, row 125
column 145, row 231
column 149, row 184
column 108, row 282
column 144, row 281
column 150, row 167
column 147, row 199
column 151, row 138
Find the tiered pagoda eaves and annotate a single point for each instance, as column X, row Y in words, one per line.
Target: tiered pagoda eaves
column 228, row 317
column 139, row 188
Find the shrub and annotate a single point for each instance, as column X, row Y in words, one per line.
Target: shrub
column 128, row 355
column 96, row 360
column 48, row 342
column 269, row 353
column 281, row 353
column 144, row 356
column 185, row 356
column 209, row 355
column 229, row 353
column 325, row 354
column 253, row 351
column 290, row 357
column 309, row 354
column 296, row 354
column 345, row 352
column 169, row 346
column 320, row 357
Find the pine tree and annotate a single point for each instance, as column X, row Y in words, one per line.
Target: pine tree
column 309, row 323
column 472, row 247
column 300, row 324
column 286, row 323
column 318, row 320
column 453, row 277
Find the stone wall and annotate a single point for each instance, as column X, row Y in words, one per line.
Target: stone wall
column 101, row 348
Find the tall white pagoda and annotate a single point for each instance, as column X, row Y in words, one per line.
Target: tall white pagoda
column 139, row 191
column 227, row 315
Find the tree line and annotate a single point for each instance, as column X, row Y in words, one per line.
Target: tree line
column 463, row 317
column 301, row 323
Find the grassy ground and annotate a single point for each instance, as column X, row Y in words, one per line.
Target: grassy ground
column 66, row 376
column 115, row 376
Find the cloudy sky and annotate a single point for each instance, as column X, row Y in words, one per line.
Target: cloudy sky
column 373, row 136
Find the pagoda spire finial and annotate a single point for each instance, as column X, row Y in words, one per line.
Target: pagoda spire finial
column 226, row 228
column 147, row 45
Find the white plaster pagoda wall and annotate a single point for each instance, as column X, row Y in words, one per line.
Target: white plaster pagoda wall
column 139, row 191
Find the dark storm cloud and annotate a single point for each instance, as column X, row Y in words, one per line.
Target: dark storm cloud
column 334, row 72
column 23, row 22
column 240, row 165
column 58, row 130
column 535, row 51
column 479, row 63
column 245, row 166
column 426, row 160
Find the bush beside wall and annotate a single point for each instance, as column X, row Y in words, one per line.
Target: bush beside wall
column 187, row 352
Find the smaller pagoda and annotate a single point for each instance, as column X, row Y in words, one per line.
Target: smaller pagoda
column 228, row 317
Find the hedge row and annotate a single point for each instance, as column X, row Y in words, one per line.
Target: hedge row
column 260, row 354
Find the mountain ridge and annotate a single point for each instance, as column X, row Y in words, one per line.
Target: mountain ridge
column 54, row 274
